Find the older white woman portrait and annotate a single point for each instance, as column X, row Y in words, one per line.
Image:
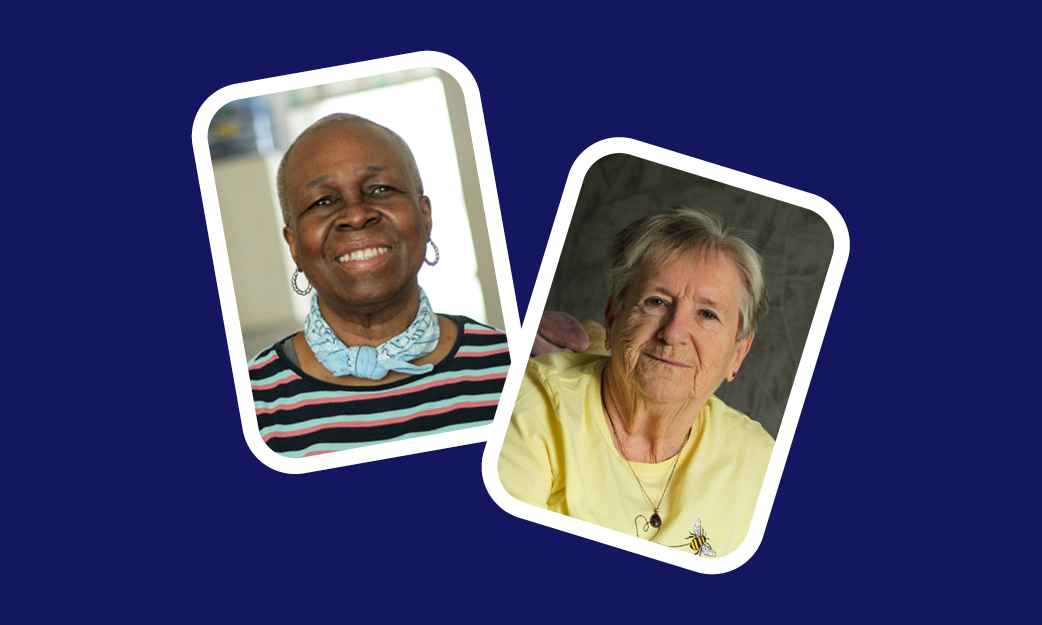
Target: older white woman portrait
column 637, row 441
column 374, row 362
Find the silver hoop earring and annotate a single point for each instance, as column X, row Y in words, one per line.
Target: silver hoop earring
column 437, row 254
column 297, row 289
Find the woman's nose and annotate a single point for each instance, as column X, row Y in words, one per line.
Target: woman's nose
column 675, row 330
column 356, row 215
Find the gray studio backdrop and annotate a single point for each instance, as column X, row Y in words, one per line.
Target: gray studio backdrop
column 796, row 244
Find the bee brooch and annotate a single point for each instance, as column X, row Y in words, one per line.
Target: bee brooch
column 699, row 540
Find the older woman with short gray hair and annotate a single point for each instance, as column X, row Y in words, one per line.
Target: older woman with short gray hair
column 637, row 441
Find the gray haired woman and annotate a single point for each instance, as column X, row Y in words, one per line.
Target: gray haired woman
column 637, row 441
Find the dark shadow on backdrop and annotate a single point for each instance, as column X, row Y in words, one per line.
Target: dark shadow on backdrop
column 796, row 245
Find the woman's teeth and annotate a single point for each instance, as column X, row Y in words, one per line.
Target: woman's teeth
column 364, row 254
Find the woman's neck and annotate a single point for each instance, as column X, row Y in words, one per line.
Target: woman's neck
column 645, row 432
column 372, row 326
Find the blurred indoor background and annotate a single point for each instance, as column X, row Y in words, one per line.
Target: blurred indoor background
column 426, row 107
column 796, row 245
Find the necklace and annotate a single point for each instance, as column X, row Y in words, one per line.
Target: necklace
column 656, row 518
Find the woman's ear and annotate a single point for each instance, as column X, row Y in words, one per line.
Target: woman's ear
column 291, row 241
column 425, row 210
column 739, row 355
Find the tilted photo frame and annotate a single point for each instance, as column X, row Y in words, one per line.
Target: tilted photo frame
column 237, row 280
column 612, row 183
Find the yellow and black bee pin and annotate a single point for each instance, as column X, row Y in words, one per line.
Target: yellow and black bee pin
column 699, row 540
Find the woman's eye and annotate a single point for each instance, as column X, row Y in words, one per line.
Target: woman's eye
column 707, row 314
column 325, row 201
column 655, row 302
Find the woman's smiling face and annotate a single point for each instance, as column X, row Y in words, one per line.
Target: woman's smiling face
column 674, row 337
column 359, row 224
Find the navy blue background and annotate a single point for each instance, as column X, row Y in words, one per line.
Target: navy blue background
column 908, row 494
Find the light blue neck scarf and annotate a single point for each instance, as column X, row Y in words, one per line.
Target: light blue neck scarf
column 374, row 363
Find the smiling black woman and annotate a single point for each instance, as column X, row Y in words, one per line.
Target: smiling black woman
column 374, row 362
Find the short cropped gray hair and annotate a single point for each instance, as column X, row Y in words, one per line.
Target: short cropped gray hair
column 659, row 238
column 342, row 118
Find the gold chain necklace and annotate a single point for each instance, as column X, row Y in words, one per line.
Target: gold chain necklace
column 656, row 518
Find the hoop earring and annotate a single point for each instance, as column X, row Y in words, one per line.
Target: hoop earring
column 437, row 254
column 297, row 289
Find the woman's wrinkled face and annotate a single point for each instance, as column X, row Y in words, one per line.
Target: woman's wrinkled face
column 674, row 337
column 358, row 225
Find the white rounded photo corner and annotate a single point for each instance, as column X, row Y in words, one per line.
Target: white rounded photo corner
column 222, row 267
column 540, row 292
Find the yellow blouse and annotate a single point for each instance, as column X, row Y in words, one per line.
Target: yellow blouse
column 558, row 454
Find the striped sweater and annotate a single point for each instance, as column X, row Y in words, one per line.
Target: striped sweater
column 301, row 416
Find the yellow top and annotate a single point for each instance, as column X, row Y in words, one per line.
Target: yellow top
column 558, row 454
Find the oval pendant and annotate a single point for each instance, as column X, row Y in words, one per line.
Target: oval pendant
column 656, row 520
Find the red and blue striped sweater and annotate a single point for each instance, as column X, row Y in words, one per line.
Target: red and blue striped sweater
column 299, row 415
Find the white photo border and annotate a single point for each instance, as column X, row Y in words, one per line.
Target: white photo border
column 222, row 268
column 519, row 354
